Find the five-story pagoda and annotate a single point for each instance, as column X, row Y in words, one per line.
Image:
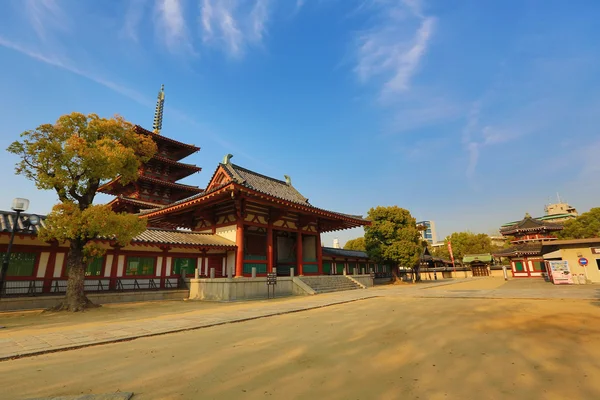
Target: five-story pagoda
column 157, row 181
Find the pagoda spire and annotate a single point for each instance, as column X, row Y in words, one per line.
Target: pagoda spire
column 158, row 113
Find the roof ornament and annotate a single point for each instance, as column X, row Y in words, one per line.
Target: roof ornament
column 288, row 180
column 527, row 215
column 227, row 159
column 158, row 113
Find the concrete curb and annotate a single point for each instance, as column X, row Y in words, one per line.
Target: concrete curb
column 167, row 331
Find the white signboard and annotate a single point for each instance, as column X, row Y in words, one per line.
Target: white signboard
column 561, row 274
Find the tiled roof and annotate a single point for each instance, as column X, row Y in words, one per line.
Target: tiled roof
column 7, row 220
column 520, row 250
column 530, row 224
column 469, row 258
column 264, row 184
column 173, row 237
column 176, row 163
column 333, row 252
column 586, row 241
column 155, row 136
column 136, row 202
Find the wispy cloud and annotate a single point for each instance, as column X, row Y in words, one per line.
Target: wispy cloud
column 480, row 133
column 393, row 48
column 171, row 26
column 122, row 90
column 133, row 17
column 44, row 15
column 227, row 22
column 66, row 65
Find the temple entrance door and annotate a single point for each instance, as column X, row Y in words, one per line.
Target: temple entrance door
column 480, row 269
column 284, row 252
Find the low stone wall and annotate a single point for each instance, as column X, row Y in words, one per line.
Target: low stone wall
column 225, row 289
column 44, row 302
column 364, row 280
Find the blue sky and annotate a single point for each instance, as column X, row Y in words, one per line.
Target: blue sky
column 466, row 113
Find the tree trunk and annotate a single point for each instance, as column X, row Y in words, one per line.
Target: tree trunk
column 75, row 299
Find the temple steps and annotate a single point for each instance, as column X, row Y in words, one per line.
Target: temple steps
column 330, row 283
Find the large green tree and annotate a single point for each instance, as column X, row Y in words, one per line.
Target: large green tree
column 356, row 244
column 393, row 236
column 587, row 225
column 465, row 243
column 73, row 157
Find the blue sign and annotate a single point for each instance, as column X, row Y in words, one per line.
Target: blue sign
column 583, row 261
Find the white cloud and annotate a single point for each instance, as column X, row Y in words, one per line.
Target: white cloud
column 259, row 16
column 44, row 15
column 133, row 17
column 229, row 23
column 66, row 65
column 172, row 26
column 394, row 47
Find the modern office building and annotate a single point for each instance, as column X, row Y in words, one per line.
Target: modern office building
column 429, row 234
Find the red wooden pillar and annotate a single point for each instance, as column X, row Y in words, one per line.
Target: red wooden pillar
column 270, row 248
column 319, row 254
column 299, row 253
column 239, row 241
column 47, row 285
column 163, row 268
column 113, row 269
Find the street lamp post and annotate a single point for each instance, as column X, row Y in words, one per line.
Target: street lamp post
column 19, row 205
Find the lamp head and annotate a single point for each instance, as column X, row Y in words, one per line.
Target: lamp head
column 33, row 220
column 20, row 204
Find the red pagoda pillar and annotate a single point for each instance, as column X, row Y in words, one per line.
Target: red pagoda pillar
column 269, row 248
column 299, row 253
column 319, row 254
column 239, row 241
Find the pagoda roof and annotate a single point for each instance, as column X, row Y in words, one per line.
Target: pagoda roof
column 129, row 200
column 529, row 249
column 529, row 224
column 108, row 186
column 176, row 163
column 165, row 139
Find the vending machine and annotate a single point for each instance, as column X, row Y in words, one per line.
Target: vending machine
column 560, row 272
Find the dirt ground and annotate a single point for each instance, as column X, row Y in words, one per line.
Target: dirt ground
column 383, row 348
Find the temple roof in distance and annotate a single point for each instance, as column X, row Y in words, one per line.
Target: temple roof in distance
column 529, row 224
column 175, row 237
column 7, row 220
column 149, row 236
column 529, row 249
column 333, row 252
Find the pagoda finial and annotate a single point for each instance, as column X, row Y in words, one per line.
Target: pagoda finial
column 158, row 113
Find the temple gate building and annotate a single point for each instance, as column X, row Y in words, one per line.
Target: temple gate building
column 525, row 255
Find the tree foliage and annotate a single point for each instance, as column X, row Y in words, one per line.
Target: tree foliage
column 465, row 243
column 73, row 157
column 393, row 236
column 356, row 244
column 587, row 225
